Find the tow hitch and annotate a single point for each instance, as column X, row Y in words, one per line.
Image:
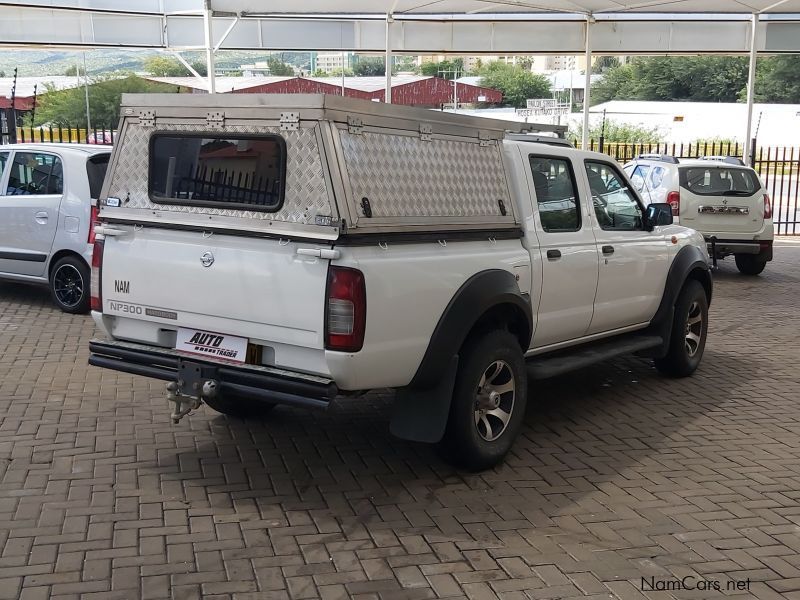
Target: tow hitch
column 195, row 382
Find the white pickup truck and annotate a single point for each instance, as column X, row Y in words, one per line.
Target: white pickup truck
column 264, row 250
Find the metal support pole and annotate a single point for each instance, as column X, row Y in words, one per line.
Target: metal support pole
column 86, row 92
column 344, row 66
column 208, row 15
column 388, row 95
column 751, row 83
column 587, row 83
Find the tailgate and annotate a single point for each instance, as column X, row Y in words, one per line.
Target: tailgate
column 718, row 198
column 157, row 280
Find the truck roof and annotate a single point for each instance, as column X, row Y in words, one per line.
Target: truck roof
column 61, row 148
column 335, row 108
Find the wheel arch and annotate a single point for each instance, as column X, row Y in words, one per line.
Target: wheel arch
column 62, row 254
column 488, row 300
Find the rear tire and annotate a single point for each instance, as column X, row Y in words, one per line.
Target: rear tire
column 689, row 330
column 69, row 285
column 750, row 264
column 239, row 406
column 488, row 404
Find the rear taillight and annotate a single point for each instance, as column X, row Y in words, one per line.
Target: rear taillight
column 767, row 207
column 346, row 310
column 674, row 200
column 95, row 287
column 92, row 222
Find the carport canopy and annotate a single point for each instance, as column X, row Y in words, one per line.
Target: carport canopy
column 489, row 27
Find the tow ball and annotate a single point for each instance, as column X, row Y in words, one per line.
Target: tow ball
column 193, row 385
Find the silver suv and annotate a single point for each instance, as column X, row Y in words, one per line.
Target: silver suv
column 46, row 214
column 718, row 196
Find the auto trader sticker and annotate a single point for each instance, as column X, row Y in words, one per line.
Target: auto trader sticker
column 213, row 345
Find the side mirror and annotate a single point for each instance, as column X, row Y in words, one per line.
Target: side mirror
column 658, row 214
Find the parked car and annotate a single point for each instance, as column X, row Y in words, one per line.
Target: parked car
column 263, row 250
column 718, row 196
column 46, row 211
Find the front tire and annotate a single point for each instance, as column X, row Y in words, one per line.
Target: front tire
column 488, row 404
column 239, row 407
column 689, row 330
column 750, row 264
column 69, row 285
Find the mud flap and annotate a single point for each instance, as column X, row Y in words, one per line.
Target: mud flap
column 421, row 415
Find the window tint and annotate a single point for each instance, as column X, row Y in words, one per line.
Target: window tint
column 96, row 168
column 3, row 161
column 35, row 173
column 554, row 184
column 615, row 205
column 719, row 181
column 229, row 172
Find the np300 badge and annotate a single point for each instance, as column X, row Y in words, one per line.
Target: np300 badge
column 207, row 259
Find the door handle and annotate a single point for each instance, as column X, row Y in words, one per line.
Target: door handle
column 608, row 249
column 41, row 217
column 553, row 254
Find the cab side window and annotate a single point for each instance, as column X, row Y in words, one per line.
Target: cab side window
column 35, row 173
column 615, row 205
column 556, row 196
column 3, row 161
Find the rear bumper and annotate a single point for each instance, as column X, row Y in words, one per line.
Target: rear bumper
column 257, row 382
column 725, row 247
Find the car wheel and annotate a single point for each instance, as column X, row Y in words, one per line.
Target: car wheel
column 689, row 330
column 240, row 407
column 69, row 285
column 750, row 264
column 488, row 404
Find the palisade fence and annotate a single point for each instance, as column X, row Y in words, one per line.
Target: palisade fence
column 778, row 166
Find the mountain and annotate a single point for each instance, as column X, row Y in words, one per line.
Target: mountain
column 32, row 63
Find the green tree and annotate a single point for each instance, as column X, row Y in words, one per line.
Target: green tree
column 777, row 79
column 604, row 63
column 279, row 68
column 696, row 78
column 369, row 67
column 73, row 71
column 68, row 107
column 615, row 132
column 516, row 83
column 160, row 65
column 448, row 69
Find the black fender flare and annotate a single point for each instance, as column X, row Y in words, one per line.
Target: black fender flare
column 421, row 409
column 689, row 263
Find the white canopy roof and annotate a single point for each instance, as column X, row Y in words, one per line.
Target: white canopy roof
column 466, row 7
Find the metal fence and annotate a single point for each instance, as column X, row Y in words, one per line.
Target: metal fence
column 779, row 168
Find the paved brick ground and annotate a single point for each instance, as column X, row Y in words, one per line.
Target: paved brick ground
column 619, row 475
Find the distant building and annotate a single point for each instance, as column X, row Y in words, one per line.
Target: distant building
column 328, row 62
column 413, row 90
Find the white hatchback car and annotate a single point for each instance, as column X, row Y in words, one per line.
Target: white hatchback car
column 718, row 196
column 46, row 214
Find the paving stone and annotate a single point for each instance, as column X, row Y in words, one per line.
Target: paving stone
column 619, row 474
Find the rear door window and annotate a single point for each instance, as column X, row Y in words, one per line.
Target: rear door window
column 554, row 184
column 35, row 173
column 96, row 168
column 719, row 181
column 639, row 176
column 225, row 171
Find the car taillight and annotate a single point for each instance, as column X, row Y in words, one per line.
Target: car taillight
column 346, row 310
column 674, row 200
column 767, row 207
column 95, row 288
column 92, row 222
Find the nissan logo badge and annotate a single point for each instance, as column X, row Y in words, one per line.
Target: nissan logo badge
column 207, row 259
